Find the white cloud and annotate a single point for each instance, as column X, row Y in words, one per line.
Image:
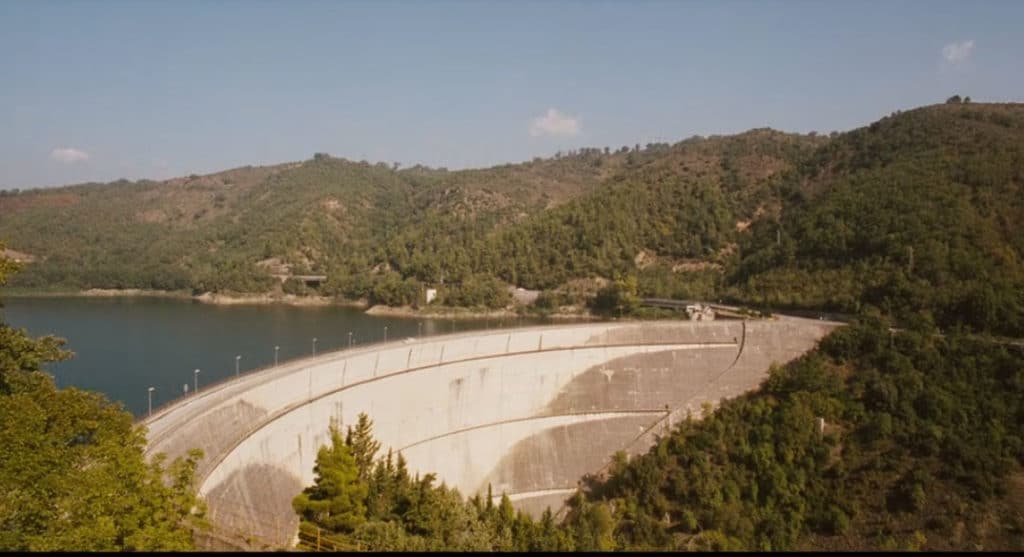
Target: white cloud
column 68, row 155
column 554, row 122
column 955, row 53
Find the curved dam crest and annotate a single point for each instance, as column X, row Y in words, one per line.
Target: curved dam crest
column 528, row 411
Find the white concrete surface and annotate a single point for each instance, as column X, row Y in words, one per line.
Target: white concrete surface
column 475, row 408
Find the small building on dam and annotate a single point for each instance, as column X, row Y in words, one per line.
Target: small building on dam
column 527, row 411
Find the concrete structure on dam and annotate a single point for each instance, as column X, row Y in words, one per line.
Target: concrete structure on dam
column 528, row 411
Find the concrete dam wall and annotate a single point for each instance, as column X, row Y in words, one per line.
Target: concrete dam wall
column 528, row 411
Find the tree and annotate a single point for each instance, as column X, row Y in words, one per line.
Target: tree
column 362, row 445
column 73, row 476
column 955, row 99
column 336, row 500
column 592, row 525
column 618, row 298
column 7, row 266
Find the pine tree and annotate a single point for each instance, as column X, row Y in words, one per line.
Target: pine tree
column 362, row 445
column 336, row 499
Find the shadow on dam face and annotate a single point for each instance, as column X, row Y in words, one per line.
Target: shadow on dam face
column 529, row 411
column 634, row 392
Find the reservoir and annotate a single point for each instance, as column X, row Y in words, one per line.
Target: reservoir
column 123, row 346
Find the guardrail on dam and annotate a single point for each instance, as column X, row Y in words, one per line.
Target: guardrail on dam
column 528, row 411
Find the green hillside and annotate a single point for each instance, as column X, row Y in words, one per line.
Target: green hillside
column 917, row 215
column 536, row 224
column 920, row 215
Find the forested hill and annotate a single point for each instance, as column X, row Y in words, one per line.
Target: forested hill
column 917, row 215
column 381, row 232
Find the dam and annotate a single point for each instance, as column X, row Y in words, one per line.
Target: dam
column 528, row 411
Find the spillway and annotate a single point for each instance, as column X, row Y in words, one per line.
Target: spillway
column 528, row 411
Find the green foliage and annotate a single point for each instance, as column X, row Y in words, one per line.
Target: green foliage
column 7, row 266
column 400, row 512
column 916, row 216
column 758, row 475
column 478, row 290
column 362, row 445
column 296, row 287
column 383, row 235
column 336, row 498
column 73, row 476
column 392, row 290
column 659, row 281
column 548, row 301
column 618, row 298
column 591, row 525
column 922, row 431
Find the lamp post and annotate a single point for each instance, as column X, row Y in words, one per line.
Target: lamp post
column 276, row 348
column 314, row 346
column 237, row 358
column 350, row 339
column 385, row 333
column 195, row 383
column 150, row 391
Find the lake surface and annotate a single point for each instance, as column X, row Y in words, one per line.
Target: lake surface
column 123, row 346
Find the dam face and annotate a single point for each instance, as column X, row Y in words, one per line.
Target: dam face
column 528, row 411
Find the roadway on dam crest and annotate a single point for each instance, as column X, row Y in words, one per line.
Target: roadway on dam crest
column 527, row 411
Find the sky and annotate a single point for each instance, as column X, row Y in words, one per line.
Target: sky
column 98, row 91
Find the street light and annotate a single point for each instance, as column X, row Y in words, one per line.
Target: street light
column 350, row 339
column 151, row 389
column 276, row 348
column 195, row 385
column 314, row 346
column 385, row 333
column 237, row 358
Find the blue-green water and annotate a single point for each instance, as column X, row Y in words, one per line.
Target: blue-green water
column 123, row 346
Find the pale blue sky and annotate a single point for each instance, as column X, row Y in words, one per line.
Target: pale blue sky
column 148, row 89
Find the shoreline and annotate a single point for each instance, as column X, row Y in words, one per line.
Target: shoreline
column 93, row 293
column 220, row 299
column 205, row 298
column 439, row 312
